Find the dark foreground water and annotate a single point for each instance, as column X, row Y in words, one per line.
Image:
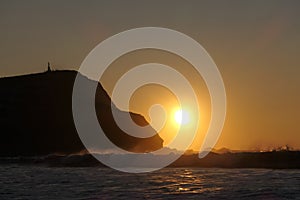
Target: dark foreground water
column 31, row 182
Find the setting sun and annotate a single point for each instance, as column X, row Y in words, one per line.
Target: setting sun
column 181, row 117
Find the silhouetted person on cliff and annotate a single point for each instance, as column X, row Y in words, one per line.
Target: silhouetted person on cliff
column 49, row 68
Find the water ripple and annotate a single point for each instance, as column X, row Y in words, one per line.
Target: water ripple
column 30, row 182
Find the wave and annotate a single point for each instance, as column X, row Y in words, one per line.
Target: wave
column 274, row 160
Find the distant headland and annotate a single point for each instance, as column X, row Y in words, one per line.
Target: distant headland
column 36, row 116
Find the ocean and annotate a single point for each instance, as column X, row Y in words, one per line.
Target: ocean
column 41, row 182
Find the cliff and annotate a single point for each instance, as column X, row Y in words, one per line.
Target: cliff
column 36, row 117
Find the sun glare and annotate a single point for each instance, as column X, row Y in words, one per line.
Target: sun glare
column 181, row 117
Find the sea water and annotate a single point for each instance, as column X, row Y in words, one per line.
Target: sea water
column 40, row 182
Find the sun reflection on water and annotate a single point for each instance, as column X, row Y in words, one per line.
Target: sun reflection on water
column 185, row 181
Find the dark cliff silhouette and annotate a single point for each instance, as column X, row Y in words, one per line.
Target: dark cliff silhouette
column 36, row 117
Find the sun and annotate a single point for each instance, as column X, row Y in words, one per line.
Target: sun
column 181, row 117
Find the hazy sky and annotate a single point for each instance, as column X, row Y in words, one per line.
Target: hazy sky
column 255, row 44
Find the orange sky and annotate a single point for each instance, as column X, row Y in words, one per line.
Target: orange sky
column 254, row 114
column 255, row 45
